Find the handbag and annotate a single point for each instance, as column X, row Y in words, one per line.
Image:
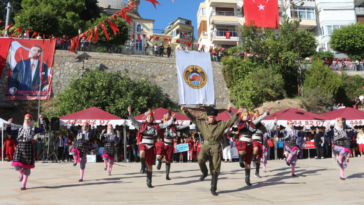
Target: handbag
column 270, row 143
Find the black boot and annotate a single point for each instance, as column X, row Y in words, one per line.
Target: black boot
column 247, row 177
column 142, row 170
column 241, row 161
column 203, row 170
column 257, row 171
column 254, row 160
column 168, row 167
column 214, row 184
column 159, row 164
column 149, row 179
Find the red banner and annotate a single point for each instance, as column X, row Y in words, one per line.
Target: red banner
column 227, row 34
column 261, row 12
column 27, row 71
column 4, row 47
column 308, row 145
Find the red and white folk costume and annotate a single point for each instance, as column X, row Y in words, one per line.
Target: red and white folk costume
column 147, row 132
column 165, row 148
column 24, row 158
column 109, row 148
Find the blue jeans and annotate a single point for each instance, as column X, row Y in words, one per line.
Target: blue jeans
column 300, row 146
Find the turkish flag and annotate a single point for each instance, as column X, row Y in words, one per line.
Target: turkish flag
column 264, row 13
column 139, row 39
column 227, row 34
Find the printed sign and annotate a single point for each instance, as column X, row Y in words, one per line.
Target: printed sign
column 308, row 145
column 91, row 158
column 181, row 148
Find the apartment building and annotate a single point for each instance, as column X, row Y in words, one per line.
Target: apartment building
column 182, row 30
column 215, row 17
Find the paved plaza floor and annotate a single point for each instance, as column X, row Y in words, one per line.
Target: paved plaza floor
column 318, row 182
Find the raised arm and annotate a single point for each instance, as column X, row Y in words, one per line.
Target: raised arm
column 73, row 130
column 40, row 129
column 228, row 123
column 136, row 123
column 166, row 124
column 260, row 118
column 90, row 134
column 232, row 115
column 180, row 127
column 191, row 117
column 9, row 131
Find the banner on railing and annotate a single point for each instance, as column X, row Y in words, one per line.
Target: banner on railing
column 27, row 70
column 227, row 34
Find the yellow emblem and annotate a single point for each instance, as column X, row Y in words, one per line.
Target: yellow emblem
column 195, row 77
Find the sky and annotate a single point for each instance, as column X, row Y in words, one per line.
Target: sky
column 169, row 11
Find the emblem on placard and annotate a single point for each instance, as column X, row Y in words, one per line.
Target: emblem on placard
column 195, row 77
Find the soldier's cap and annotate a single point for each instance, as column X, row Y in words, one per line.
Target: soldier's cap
column 211, row 112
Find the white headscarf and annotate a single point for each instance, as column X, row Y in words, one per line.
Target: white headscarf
column 112, row 130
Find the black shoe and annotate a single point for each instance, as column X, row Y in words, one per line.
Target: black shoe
column 144, row 166
column 23, row 188
column 159, row 164
column 20, row 179
column 105, row 168
column 288, row 164
column 74, row 164
column 247, row 177
column 80, row 180
column 168, row 168
column 257, row 171
column 293, row 175
column 214, row 184
column 340, row 164
column 149, row 179
column 203, row 170
column 342, row 178
column 109, row 174
column 241, row 161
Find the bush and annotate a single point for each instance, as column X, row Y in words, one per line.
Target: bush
column 316, row 101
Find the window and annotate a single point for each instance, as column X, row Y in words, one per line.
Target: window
column 139, row 28
column 304, row 13
column 203, row 10
column 138, row 45
column 331, row 28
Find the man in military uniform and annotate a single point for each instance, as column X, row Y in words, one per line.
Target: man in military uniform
column 212, row 131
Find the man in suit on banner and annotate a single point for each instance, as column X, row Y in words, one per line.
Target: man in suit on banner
column 25, row 76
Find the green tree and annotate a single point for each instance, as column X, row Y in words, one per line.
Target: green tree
column 348, row 39
column 319, row 75
column 112, row 92
column 350, row 89
column 322, row 55
column 284, row 51
column 257, row 87
column 70, row 15
column 316, row 101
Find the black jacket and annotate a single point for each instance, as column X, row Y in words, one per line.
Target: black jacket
column 317, row 138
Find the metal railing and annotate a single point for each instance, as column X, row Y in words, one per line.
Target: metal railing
column 223, row 34
column 224, row 13
column 115, row 48
column 158, row 31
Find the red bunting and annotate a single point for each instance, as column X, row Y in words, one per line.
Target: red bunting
column 222, row 49
column 139, row 40
column 72, row 45
column 115, row 17
column 89, row 37
column 144, row 35
column 56, row 40
column 150, row 38
column 169, row 40
column 26, row 34
column 43, row 37
column 96, row 34
column 183, row 35
column 188, row 44
column 177, row 41
column 211, row 48
column 77, row 42
column 157, row 38
column 132, row 36
column 198, row 45
column 114, row 27
column 9, row 26
column 18, row 29
column 34, row 34
column 104, row 29
column 83, row 34
column 165, row 39
column 154, row 2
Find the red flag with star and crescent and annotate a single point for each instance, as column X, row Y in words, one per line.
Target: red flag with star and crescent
column 264, row 13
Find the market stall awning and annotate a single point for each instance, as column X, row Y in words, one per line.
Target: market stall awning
column 225, row 115
column 298, row 117
column 93, row 114
column 353, row 116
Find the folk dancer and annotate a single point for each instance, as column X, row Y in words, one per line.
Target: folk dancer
column 291, row 148
column 24, row 158
column 147, row 132
column 166, row 150
column 266, row 136
column 212, row 131
column 79, row 151
column 246, row 128
column 9, row 147
column 111, row 139
column 339, row 145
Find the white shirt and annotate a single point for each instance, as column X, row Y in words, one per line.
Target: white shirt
column 361, row 98
column 360, row 139
column 155, row 48
column 35, row 62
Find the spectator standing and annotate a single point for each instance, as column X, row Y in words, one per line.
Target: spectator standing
column 155, row 50
column 129, row 149
column 357, row 64
column 60, row 143
column 226, row 146
column 327, row 144
column 318, row 142
column 300, row 136
column 169, row 50
column 146, row 45
column 360, row 141
column 161, row 50
column 117, row 149
column 219, row 55
column 357, row 103
column 38, row 36
column 361, row 97
column 136, row 148
column 353, row 144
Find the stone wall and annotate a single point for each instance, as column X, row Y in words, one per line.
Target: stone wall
column 161, row 71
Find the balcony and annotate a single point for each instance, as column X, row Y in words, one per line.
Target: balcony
column 224, row 13
column 223, row 3
column 220, row 36
column 224, row 17
column 359, row 11
column 308, row 24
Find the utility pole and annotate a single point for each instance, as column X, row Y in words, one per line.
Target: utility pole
column 8, row 12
